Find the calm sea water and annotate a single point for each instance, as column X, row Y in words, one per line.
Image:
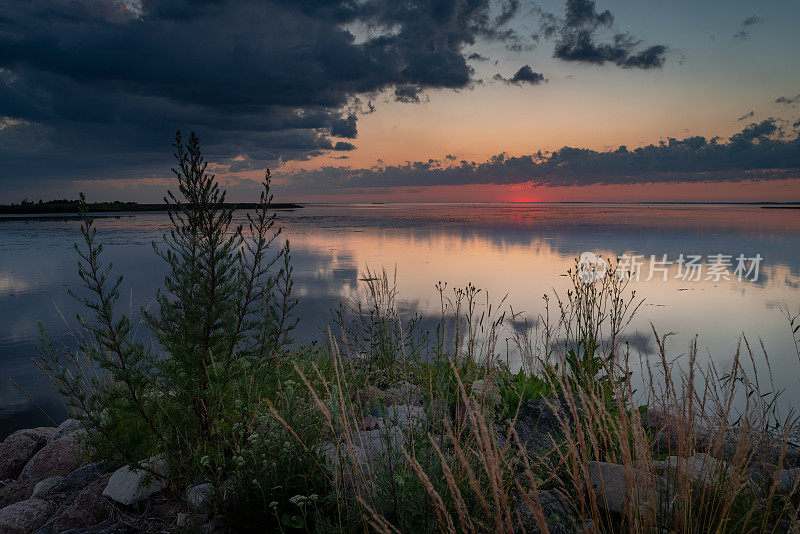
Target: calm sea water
column 517, row 250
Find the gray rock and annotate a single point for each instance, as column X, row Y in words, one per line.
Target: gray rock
column 608, row 482
column 403, row 393
column 24, row 516
column 43, row 487
column 80, row 478
column 200, row 497
column 58, row 457
column 405, row 416
column 558, row 515
column 538, row 425
column 369, row 422
column 128, row 486
column 371, row 449
column 671, row 437
column 89, row 508
column 700, row 468
column 67, row 427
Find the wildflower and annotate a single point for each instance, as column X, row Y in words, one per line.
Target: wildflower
column 299, row 500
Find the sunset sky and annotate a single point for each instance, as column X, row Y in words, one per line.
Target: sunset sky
column 441, row 100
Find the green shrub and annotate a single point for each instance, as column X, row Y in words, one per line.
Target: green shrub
column 196, row 390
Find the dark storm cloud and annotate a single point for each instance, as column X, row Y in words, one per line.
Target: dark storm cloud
column 578, row 38
column 409, row 94
column 756, row 152
column 477, row 57
column 524, row 75
column 344, row 146
column 345, row 127
column 96, row 88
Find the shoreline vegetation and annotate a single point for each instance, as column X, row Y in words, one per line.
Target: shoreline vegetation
column 220, row 423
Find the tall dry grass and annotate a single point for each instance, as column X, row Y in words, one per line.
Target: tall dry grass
column 699, row 449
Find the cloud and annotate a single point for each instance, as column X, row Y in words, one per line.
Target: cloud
column 747, row 115
column 742, row 34
column 524, row 75
column 577, row 39
column 97, row 89
column 756, row 152
column 409, row 94
column 788, row 100
column 345, row 127
column 344, row 146
column 477, row 57
column 751, row 20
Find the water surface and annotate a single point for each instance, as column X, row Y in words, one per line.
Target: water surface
column 519, row 250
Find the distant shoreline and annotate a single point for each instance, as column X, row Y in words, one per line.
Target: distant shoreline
column 71, row 207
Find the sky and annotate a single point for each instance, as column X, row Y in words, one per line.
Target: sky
column 414, row 100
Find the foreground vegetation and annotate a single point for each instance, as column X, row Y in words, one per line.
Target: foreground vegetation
column 388, row 426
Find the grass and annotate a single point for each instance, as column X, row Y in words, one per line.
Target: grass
column 299, row 438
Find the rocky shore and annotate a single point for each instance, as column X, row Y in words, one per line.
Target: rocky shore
column 48, row 485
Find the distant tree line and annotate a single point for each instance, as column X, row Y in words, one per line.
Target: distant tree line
column 72, row 206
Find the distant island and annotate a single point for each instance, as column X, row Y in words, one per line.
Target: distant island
column 71, row 206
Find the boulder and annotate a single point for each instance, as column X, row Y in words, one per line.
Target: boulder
column 200, row 497
column 608, row 481
column 41, row 434
column 43, row 487
column 371, row 449
column 17, row 490
column 67, row 427
column 405, row 416
column 403, row 393
column 15, row 451
column 80, row 478
column 24, row 516
column 59, row 457
column 538, row 425
column 672, row 437
column 700, row 468
column 19, row 447
column 129, row 486
column 369, row 422
column 89, row 508
column 558, row 515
